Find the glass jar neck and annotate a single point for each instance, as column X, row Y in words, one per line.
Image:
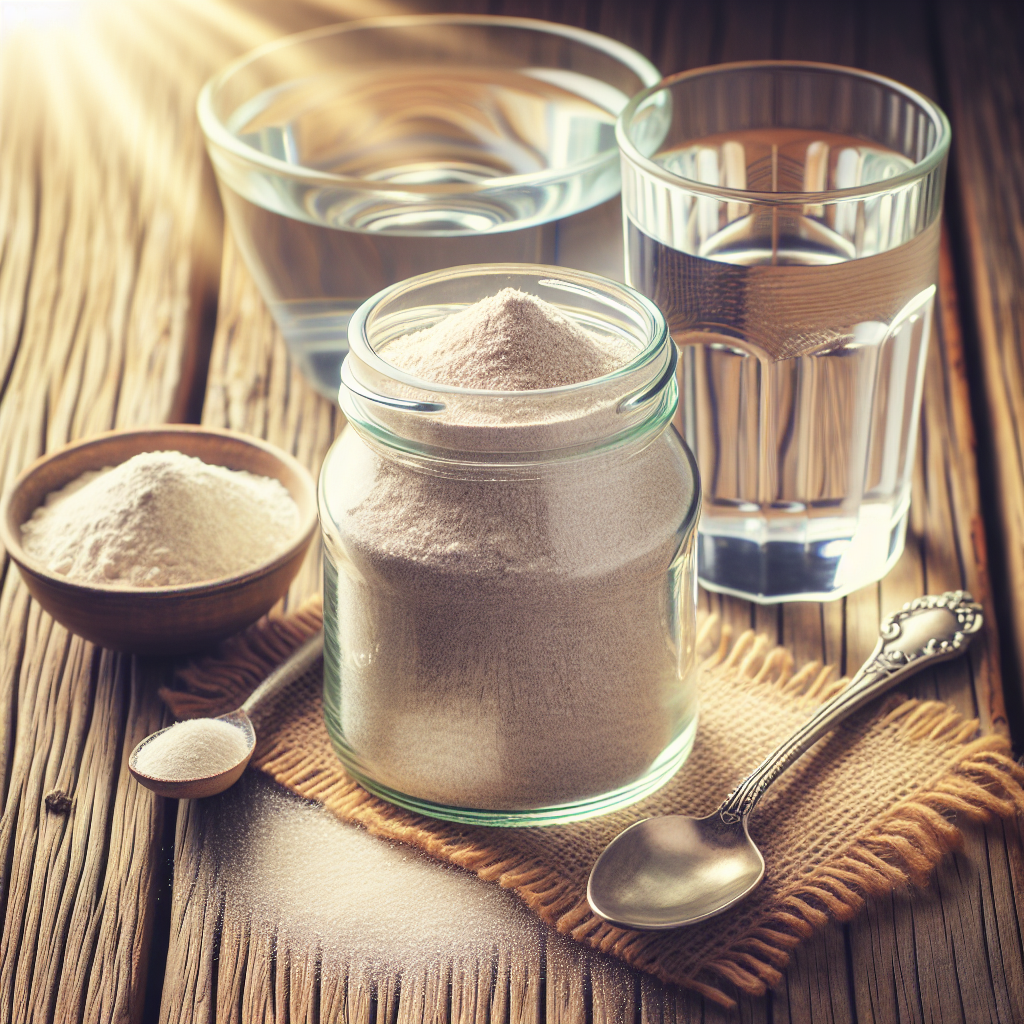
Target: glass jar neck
column 395, row 411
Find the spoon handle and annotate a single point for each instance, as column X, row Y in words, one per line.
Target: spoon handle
column 925, row 631
column 287, row 672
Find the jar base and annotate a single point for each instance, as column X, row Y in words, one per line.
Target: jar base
column 667, row 764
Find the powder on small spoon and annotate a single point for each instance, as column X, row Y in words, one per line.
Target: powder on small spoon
column 161, row 519
column 192, row 749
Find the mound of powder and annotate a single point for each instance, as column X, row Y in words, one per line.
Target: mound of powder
column 192, row 750
column 161, row 519
column 511, row 341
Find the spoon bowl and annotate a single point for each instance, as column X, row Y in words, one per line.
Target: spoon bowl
column 661, row 869
column 671, row 871
column 213, row 782
column 204, row 785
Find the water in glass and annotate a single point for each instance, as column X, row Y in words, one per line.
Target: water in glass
column 803, row 332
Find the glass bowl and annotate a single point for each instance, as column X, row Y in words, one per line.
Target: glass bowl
column 355, row 156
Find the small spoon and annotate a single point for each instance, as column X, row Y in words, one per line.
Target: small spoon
column 216, row 782
column 669, row 871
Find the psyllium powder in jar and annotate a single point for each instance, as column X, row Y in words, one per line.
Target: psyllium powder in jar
column 508, row 518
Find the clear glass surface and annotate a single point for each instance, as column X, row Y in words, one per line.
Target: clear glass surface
column 785, row 217
column 358, row 155
column 538, row 665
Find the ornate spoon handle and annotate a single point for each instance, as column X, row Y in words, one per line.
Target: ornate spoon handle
column 925, row 631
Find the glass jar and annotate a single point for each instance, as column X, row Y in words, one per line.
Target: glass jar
column 509, row 585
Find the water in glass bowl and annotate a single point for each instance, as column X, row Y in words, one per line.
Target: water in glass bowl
column 319, row 248
column 803, row 332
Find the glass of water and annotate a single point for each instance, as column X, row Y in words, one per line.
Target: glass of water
column 785, row 217
column 357, row 155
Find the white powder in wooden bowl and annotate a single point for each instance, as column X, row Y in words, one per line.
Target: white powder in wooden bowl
column 161, row 519
column 192, row 749
column 509, row 641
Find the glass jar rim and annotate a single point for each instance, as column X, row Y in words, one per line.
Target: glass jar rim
column 920, row 169
column 217, row 132
column 448, row 424
column 360, row 347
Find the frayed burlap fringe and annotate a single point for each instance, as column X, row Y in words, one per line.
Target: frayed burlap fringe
column 977, row 781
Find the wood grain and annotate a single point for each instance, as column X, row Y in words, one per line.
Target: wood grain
column 109, row 267
column 983, row 82
column 104, row 264
column 253, row 386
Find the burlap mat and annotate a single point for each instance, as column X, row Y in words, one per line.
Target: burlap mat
column 872, row 808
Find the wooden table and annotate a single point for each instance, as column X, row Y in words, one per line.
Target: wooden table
column 121, row 303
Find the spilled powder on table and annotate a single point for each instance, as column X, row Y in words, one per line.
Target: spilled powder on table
column 296, row 872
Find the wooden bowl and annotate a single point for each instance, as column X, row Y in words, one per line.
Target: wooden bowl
column 158, row 620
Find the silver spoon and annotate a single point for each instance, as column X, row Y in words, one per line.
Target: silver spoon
column 669, row 871
column 216, row 781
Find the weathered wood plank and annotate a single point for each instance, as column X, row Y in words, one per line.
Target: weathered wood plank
column 102, row 276
column 983, row 81
column 253, row 386
column 816, row 986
